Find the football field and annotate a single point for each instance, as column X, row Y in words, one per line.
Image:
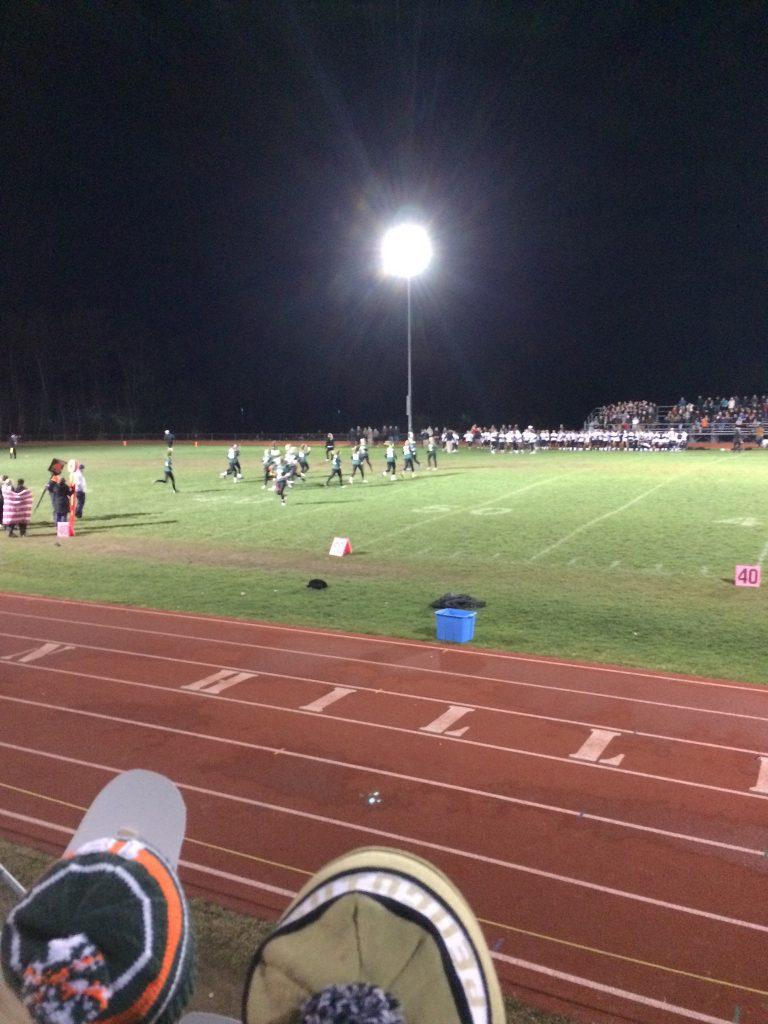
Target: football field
column 624, row 558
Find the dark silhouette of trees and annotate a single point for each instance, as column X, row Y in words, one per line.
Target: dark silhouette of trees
column 79, row 375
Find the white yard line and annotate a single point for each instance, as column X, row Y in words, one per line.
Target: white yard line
column 596, row 520
column 607, row 515
column 465, row 510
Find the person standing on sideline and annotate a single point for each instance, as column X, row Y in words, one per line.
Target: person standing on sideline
column 431, row 453
column 52, row 487
column 81, row 489
column 61, row 500
column 391, row 457
column 168, row 473
column 6, row 486
column 170, row 437
column 330, row 445
column 13, row 444
column 335, row 469
column 357, row 464
column 17, row 509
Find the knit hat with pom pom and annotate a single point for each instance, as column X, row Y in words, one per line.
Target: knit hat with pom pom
column 104, row 934
column 359, row 1004
column 377, row 936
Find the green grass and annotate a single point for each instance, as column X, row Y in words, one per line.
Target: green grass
column 612, row 557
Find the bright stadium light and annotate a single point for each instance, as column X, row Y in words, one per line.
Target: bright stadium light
column 406, row 251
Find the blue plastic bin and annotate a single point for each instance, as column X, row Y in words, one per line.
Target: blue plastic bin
column 455, row 625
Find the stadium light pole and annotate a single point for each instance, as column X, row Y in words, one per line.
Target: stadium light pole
column 406, row 251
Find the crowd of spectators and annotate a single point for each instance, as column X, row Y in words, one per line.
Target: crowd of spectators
column 732, row 411
column 703, row 414
column 630, row 414
column 373, row 434
column 639, row 425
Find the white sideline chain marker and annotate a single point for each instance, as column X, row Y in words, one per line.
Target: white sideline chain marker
column 330, row 698
column 442, row 725
column 593, row 747
column 219, row 681
column 33, row 653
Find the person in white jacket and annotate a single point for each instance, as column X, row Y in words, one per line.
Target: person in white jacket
column 81, row 489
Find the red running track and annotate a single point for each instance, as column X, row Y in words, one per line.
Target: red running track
column 609, row 826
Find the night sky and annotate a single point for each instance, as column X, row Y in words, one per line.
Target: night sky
column 193, row 195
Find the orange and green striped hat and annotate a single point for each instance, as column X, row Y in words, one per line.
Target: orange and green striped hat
column 103, row 936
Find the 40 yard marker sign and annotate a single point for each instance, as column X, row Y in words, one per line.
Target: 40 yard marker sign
column 747, row 576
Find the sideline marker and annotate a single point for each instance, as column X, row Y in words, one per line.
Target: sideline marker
column 340, row 547
column 747, row 576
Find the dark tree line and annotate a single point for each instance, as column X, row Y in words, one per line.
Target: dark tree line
column 84, row 375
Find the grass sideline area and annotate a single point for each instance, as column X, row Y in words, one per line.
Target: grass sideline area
column 612, row 557
column 225, row 944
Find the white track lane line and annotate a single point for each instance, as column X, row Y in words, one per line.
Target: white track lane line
column 503, row 798
column 442, row 701
column 573, row 762
column 27, row 820
column 501, row 957
column 579, row 666
column 413, row 668
column 450, row 787
column 620, row 993
column 550, row 876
